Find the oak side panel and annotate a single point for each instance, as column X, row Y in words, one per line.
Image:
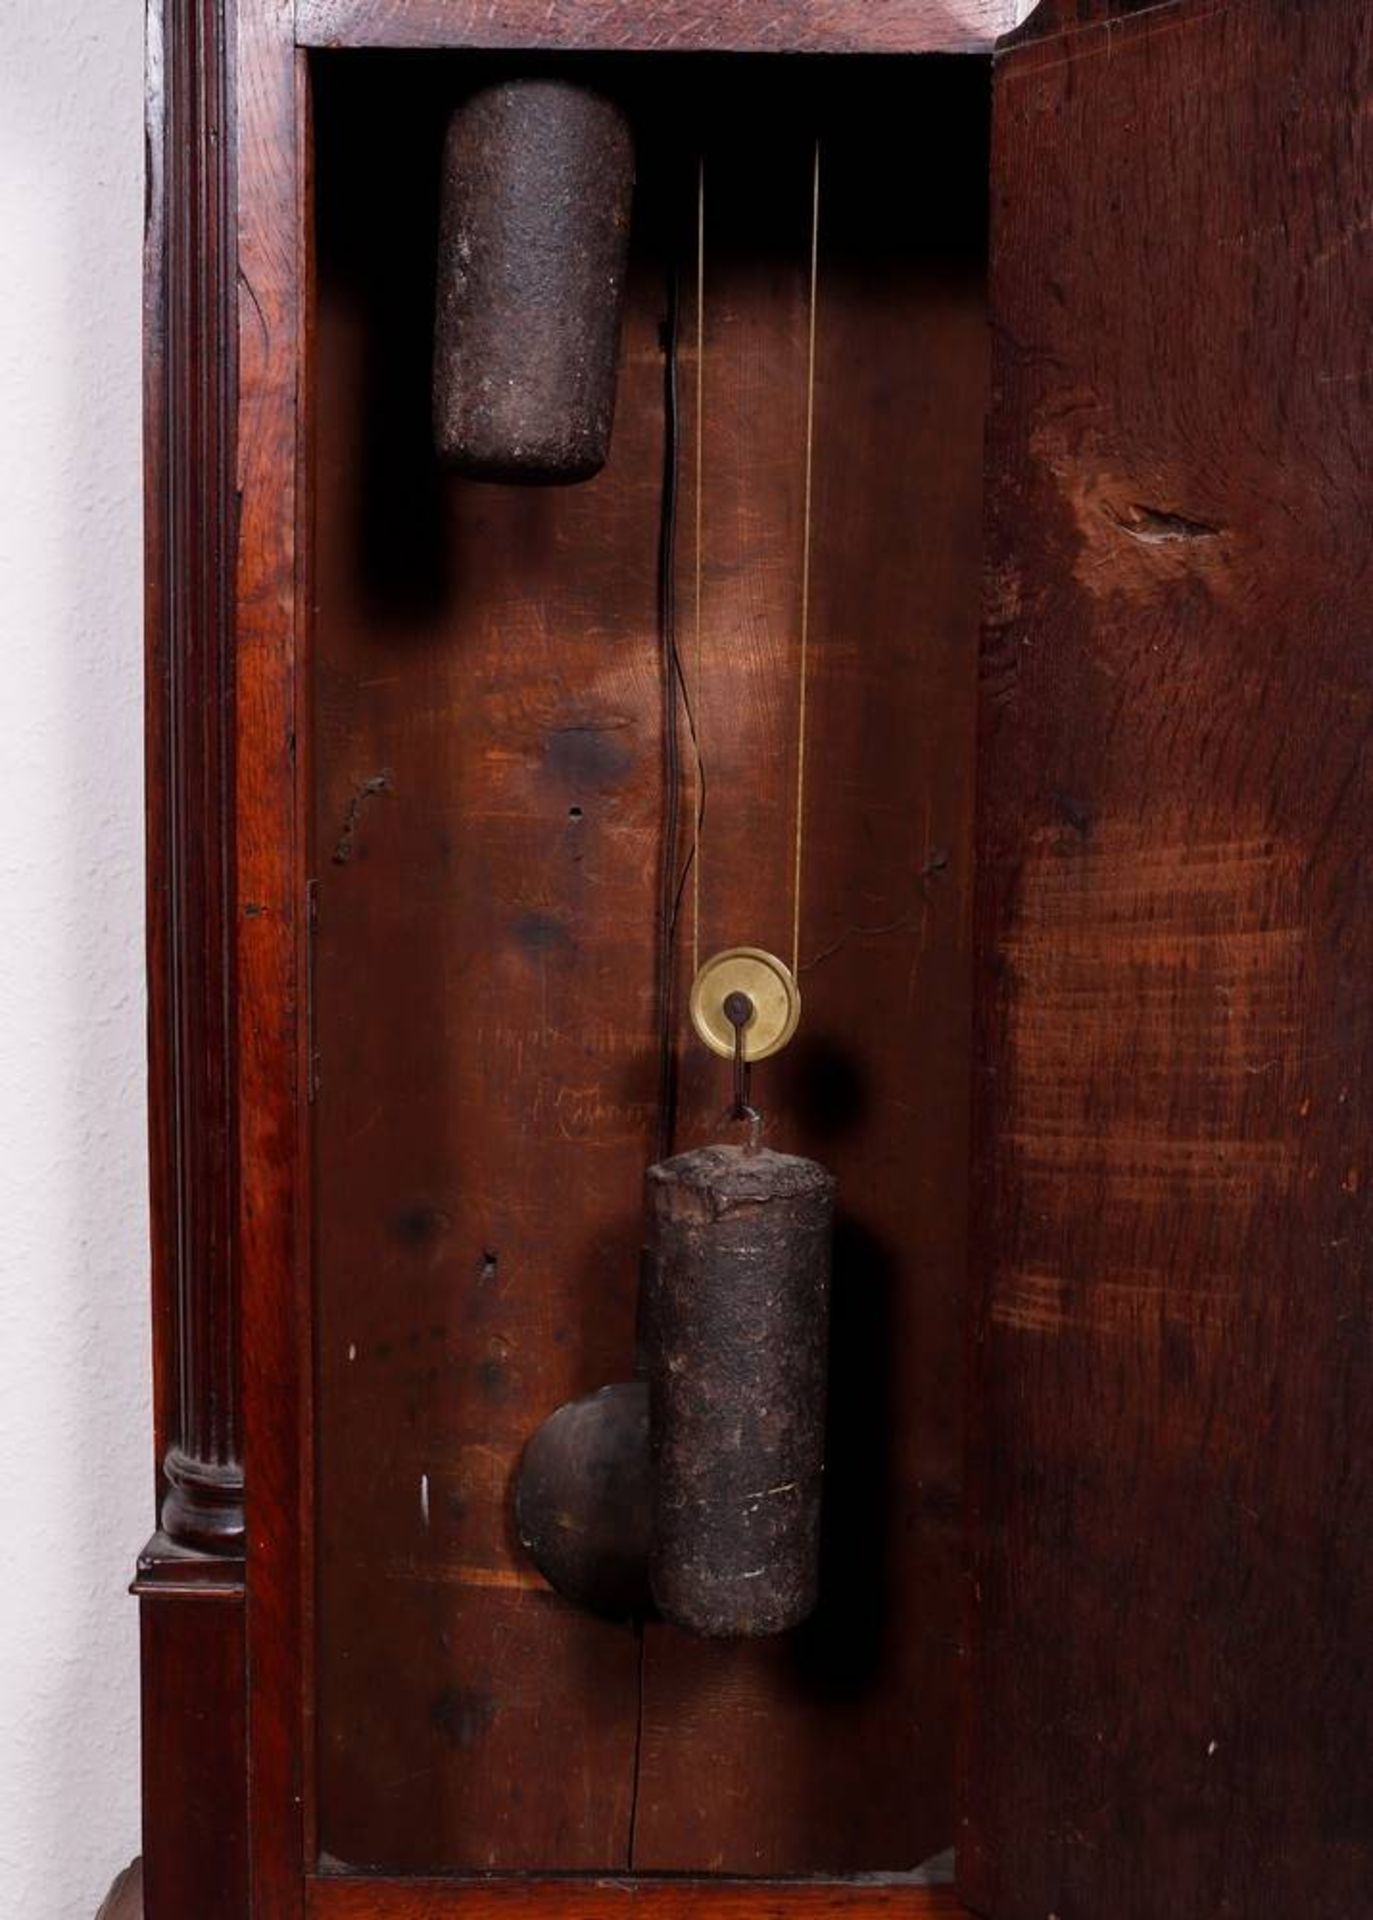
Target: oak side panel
column 635, row 1900
column 663, row 26
column 1171, row 1699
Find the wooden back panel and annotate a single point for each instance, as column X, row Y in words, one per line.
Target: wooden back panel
column 489, row 803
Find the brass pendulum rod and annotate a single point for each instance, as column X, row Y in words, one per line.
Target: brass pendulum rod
column 763, row 989
column 698, row 644
column 807, row 522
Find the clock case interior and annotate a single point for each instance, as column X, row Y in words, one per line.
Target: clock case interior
column 490, row 781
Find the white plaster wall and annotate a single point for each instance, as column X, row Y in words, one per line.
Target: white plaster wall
column 75, row 1480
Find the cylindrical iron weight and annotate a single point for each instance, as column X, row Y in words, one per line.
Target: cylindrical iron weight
column 538, row 177
column 737, row 1324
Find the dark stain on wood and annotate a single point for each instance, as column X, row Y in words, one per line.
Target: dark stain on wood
column 418, row 1226
column 539, row 933
column 462, row 1715
column 352, row 817
column 589, row 754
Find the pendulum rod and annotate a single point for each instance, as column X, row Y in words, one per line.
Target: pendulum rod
column 669, row 887
column 695, row 705
column 805, row 574
column 698, row 645
column 677, row 687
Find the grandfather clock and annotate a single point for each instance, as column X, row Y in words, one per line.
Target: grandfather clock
column 760, row 672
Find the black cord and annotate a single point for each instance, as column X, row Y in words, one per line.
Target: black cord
column 676, row 699
column 669, row 888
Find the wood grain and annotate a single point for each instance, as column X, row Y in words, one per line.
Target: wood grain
column 191, row 1603
column 195, row 1829
column 661, row 26
column 487, row 809
column 1170, row 1700
column 490, row 797
column 270, row 879
column 189, row 438
column 255, row 347
column 605, row 1900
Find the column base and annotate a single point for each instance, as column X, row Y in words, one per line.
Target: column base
column 124, row 1901
column 203, row 1507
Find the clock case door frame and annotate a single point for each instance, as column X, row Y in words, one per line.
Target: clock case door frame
column 225, row 1584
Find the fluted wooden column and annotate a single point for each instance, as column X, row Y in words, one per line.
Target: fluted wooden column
column 191, row 785
column 191, row 1576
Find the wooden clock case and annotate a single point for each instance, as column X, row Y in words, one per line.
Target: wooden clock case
column 1103, row 1533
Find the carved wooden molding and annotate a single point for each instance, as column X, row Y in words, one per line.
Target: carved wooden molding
column 755, row 26
column 344, row 1898
column 191, row 315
